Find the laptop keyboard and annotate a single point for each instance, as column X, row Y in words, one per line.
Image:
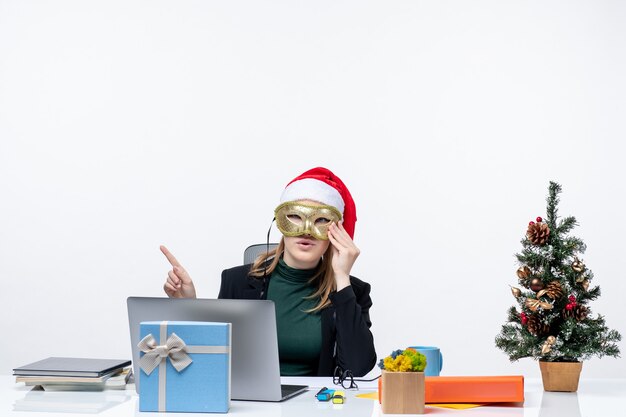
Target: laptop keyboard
column 287, row 390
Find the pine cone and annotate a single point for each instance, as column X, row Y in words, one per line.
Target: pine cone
column 581, row 312
column 536, row 327
column 569, row 313
column 538, row 233
column 554, row 290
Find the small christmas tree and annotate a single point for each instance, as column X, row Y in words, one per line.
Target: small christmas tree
column 554, row 321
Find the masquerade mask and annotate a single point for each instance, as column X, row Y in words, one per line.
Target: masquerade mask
column 297, row 219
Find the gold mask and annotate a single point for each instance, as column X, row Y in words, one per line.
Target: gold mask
column 297, row 219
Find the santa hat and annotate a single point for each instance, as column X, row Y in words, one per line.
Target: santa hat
column 321, row 185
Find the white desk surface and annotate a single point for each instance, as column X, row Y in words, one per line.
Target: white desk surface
column 595, row 397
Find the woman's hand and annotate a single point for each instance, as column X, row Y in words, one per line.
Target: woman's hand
column 345, row 253
column 178, row 283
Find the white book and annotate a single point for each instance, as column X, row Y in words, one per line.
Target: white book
column 38, row 400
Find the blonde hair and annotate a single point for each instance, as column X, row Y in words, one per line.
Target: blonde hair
column 323, row 278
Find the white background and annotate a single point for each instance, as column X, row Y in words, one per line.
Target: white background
column 129, row 124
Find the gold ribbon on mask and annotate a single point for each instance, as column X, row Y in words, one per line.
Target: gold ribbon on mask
column 175, row 349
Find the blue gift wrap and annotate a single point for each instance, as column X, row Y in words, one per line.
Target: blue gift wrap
column 185, row 366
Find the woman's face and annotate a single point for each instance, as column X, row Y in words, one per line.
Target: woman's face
column 304, row 252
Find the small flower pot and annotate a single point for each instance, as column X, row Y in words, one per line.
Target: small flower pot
column 560, row 376
column 402, row 392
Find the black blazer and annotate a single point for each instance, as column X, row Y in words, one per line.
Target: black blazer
column 346, row 337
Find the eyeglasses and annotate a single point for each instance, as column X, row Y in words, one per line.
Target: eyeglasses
column 344, row 378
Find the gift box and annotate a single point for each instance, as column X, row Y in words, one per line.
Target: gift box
column 185, row 366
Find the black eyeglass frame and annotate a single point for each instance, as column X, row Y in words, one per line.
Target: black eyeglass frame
column 347, row 380
column 340, row 377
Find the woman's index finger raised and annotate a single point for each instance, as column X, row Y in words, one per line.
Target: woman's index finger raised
column 171, row 258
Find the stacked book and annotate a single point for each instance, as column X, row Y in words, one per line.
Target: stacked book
column 75, row 374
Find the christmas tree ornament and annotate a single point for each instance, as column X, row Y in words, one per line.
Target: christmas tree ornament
column 538, row 233
column 539, row 219
column 523, row 272
column 545, row 305
column 572, row 298
column 547, row 345
column 580, row 313
column 523, row 318
column 516, row 292
column 554, row 290
column 577, row 265
column 532, row 304
column 571, row 308
column 580, row 278
column 531, row 223
column 585, row 285
column 536, row 285
column 536, row 326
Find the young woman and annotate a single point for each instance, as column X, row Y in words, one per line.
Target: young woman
column 322, row 312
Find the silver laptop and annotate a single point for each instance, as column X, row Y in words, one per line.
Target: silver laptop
column 255, row 370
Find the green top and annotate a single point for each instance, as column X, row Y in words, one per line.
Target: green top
column 299, row 333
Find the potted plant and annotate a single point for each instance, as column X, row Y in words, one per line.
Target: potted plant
column 553, row 322
column 402, row 382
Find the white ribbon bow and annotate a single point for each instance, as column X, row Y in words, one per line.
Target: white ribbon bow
column 174, row 348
